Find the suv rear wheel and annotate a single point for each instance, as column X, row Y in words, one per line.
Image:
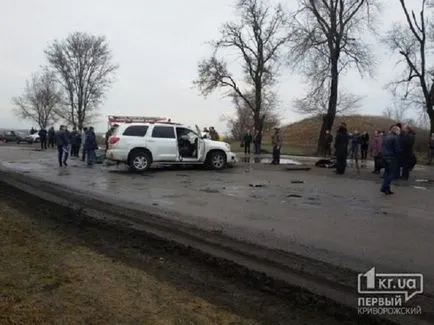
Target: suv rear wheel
column 217, row 160
column 140, row 161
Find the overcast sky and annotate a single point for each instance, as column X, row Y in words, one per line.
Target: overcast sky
column 157, row 45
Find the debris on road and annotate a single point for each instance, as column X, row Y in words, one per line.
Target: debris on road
column 210, row 190
column 296, row 181
column 420, row 187
column 257, row 185
column 297, row 168
column 424, row 180
column 295, row 195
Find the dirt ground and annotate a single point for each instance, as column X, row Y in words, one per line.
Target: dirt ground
column 73, row 272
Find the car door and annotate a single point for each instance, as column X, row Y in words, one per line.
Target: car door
column 200, row 146
column 163, row 143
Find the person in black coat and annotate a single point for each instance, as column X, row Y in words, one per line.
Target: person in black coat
column 391, row 152
column 341, row 148
column 51, row 137
column 407, row 143
column 43, row 138
column 364, row 146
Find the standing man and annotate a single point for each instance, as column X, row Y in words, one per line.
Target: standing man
column 62, row 146
column 376, row 145
column 407, row 145
column 391, row 153
column 90, row 146
column 431, row 149
column 328, row 143
column 73, row 142
column 248, row 138
column 83, row 141
column 276, row 141
column 51, row 137
column 364, row 145
column 356, row 140
column 257, row 141
column 43, row 138
column 341, row 148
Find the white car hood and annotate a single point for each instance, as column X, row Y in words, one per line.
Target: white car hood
column 217, row 144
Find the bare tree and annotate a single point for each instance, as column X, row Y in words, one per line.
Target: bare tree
column 316, row 102
column 84, row 67
column 397, row 110
column 413, row 41
column 326, row 42
column 40, row 100
column 243, row 120
column 257, row 39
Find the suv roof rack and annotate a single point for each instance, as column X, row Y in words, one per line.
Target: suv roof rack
column 114, row 119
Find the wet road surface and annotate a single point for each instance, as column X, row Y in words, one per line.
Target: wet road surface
column 341, row 220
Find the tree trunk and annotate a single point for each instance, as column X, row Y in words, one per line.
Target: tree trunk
column 329, row 117
column 430, row 112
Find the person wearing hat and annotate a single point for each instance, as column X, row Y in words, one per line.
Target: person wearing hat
column 276, row 140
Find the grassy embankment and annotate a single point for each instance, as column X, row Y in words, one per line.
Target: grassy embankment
column 46, row 279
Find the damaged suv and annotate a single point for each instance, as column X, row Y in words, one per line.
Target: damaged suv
column 141, row 144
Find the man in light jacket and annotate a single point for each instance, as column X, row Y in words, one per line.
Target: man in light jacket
column 376, row 144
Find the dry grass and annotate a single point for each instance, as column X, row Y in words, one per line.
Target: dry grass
column 303, row 135
column 44, row 279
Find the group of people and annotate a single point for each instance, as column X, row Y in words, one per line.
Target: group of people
column 211, row 133
column 392, row 151
column 249, row 139
column 69, row 143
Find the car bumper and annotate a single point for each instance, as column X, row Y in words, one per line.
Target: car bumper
column 231, row 158
column 117, row 155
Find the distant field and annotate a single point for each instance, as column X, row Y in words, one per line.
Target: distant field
column 302, row 136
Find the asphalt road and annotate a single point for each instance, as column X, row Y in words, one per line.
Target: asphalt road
column 341, row 220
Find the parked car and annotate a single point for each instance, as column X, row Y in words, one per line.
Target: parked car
column 13, row 136
column 32, row 138
column 141, row 144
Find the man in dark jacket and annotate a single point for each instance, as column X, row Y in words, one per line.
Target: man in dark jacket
column 391, row 152
column 43, row 138
column 407, row 143
column 364, row 145
column 73, row 142
column 62, row 142
column 341, row 148
column 90, row 145
column 257, row 140
column 276, row 141
column 431, row 149
column 51, row 137
column 247, row 141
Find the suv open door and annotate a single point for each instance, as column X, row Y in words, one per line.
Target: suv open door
column 200, row 145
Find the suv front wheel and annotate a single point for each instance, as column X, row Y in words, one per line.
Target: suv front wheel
column 139, row 161
column 217, row 160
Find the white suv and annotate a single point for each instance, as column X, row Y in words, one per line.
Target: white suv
column 141, row 144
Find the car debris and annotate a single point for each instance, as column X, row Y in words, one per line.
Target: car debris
column 257, row 185
column 424, row 180
column 296, row 181
column 294, row 195
column 298, row 168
